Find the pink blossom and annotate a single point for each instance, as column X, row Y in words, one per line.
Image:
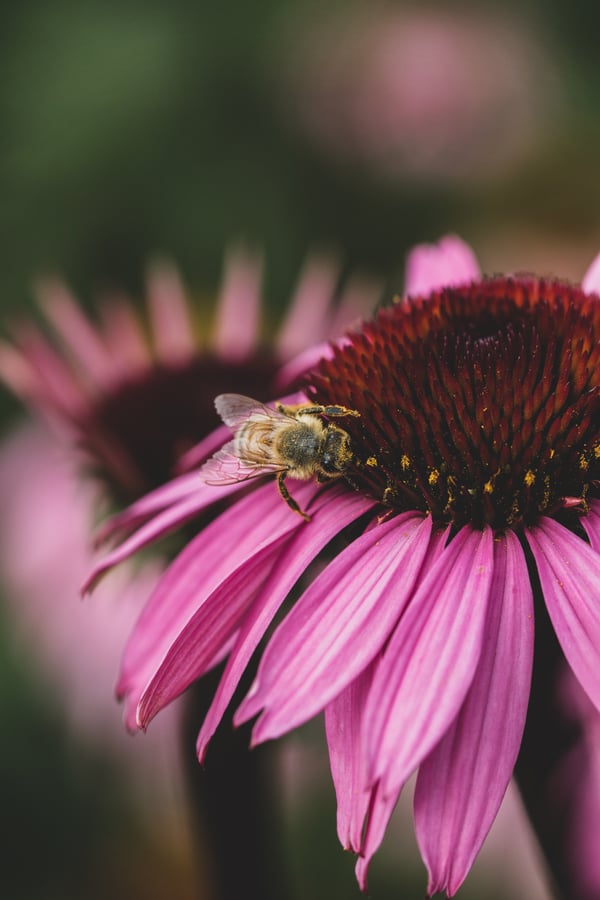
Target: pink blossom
column 474, row 479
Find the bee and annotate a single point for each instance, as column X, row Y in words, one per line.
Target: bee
column 286, row 440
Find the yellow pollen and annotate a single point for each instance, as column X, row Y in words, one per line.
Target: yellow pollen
column 434, row 477
column 546, row 490
column 371, row 461
column 597, row 451
column 551, row 454
column 583, row 462
column 405, row 462
column 488, row 487
column 529, row 478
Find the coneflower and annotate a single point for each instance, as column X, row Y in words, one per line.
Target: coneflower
column 472, row 487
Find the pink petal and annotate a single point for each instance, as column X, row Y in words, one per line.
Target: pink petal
column 343, row 718
column 180, row 488
column 54, row 383
column 307, row 319
column 16, row 371
column 591, row 280
column 338, row 626
column 226, row 545
column 81, row 338
column 236, row 331
column 380, row 806
column 123, row 333
column 463, row 780
column 569, row 571
column 380, row 812
column 358, row 300
column 430, row 267
column 591, row 524
column 429, row 663
column 165, row 521
column 331, row 513
column 200, row 641
column 172, row 331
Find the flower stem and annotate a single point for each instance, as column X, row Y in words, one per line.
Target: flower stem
column 233, row 803
column 548, row 783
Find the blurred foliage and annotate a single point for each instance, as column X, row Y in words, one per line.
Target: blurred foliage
column 129, row 129
column 133, row 129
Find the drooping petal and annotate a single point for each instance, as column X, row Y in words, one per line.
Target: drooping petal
column 180, row 488
column 364, row 814
column 200, row 642
column 569, row 571
column 380, row 812
column 343, row 719
column 339, row 509
column 164, row 521
column 461, row 783
column 338, row 626
column 431, row 267
column 225, row 546
column 591, row 524
column 591, row 280
column 429, row 663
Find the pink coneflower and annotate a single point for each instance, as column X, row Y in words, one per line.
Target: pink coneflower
column 473, row 488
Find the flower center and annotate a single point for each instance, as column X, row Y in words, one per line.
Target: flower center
column 478, row 404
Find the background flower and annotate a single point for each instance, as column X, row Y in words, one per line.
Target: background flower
column 426, row 93
column 122, row 399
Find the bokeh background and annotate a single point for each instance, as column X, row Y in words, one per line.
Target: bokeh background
column 132, row 130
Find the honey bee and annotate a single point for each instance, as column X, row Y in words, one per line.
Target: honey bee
column 286, row 440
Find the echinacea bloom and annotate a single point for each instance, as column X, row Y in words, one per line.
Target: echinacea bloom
column 473, row 490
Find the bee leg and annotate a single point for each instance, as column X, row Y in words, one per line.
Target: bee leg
column 339, row 411
column 317, row 410
column 288, row 497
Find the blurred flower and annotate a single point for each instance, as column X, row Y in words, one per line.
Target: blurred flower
column 135, row 402
column 427, row 93
column 474, row 477
column 124, row 397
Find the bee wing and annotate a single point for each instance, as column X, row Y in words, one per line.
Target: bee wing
column 235, row 409
column 227, row 468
